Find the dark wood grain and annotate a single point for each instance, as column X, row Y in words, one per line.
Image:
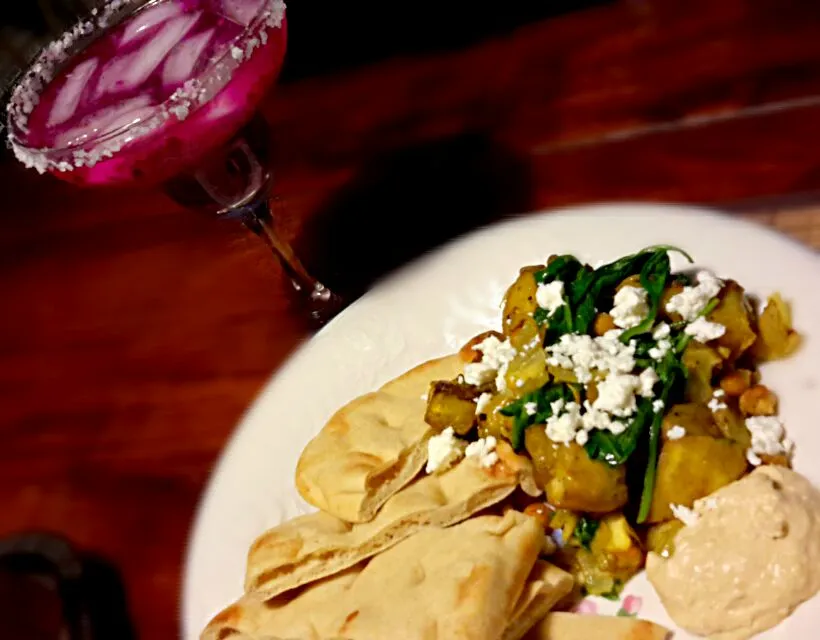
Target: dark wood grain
column 133, row 334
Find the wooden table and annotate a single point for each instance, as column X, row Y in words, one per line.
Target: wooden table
column 134, row 334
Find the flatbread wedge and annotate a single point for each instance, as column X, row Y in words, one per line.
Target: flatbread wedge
column 560, row 625
column 459, row 583
column 318, row 545
column 373, row 446
column 546, row 585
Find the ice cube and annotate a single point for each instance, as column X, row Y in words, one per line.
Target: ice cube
column 133, row 70
column 241, row 11
column 67, row 100
column 181, row 62
column 106, row 120
column 148, row 19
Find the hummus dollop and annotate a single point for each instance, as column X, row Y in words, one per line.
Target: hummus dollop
column 750, row 557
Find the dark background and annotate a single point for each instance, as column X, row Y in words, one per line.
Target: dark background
column 325, row 36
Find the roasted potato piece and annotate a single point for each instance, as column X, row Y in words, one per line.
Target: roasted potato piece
column 759, row 400
column 692, row 468
column 775, row 336
column 732, row 426
column 733, row 313
column 492, row 422
column 571, row 479
column 702, row 363
column 451, row 404
column 695, row 417
column 616, row 540
column 519, row 300
column 527, row 334
column 660, row 538
column 469, row 353
column 613, row 557
column 527, row 372
column 542, row 450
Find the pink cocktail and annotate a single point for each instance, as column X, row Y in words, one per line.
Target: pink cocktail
column 159, row 93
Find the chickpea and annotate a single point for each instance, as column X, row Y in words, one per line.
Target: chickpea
column 778, row 460
column 603, row 323
column 541, row 512
column 758, row 401
column 631, row 281
column 735, row 383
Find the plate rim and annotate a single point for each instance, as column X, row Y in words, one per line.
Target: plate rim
column 706, row 213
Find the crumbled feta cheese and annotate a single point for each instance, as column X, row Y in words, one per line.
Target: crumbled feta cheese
column 658, row 405
column 690, row 302
column 703, row 331
column 659, row 351
column 616, row 394
column 482, row 401
column 550, row 296
column 478, row 373
column 768, row 436
column 715, row 404
column 753, row 458
column 483, row 450
column 582, row 437
column 443, row 450
column 563, row 426
column 648, row 379
column 594, row 418
column 582, row 354
column 661, row 331
column 718, row 393
column 557, row 405
column 675, row 433
column 496, row 357
column 530, row 408
column 686, row 515
column 630, row 307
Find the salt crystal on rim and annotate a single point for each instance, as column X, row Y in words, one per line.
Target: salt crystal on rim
column 26, row 94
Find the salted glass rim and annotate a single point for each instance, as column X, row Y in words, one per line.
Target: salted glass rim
column 194, row 93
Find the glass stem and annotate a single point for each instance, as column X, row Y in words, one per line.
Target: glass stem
column 240, row 184
column 257, row 217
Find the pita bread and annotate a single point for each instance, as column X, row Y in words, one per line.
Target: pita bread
column 459, row 583
column 373, row 446
column 573, row 626
column 317, row 545
column 546, row 586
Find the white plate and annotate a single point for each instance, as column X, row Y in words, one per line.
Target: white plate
column 433, row 305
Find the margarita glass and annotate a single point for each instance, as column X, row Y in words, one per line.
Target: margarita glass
column 164, row 93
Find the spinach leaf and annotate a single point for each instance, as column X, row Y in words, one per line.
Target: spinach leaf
column 585, row 530
column 683, row 339
column 560, row 268
column 590, row 292
column 616, row 449
column 654, row 275
column 673, row 376
column 543, row 399
column 586, row 290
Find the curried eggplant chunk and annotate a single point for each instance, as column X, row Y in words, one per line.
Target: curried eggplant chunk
column 451, row 404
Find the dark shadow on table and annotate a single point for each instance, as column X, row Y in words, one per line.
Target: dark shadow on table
column 409, row 202
column 328, row 37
